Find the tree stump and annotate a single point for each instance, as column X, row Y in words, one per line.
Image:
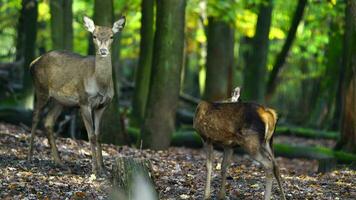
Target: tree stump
column 132, row 177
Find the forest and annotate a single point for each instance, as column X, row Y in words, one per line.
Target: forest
column 177, row 99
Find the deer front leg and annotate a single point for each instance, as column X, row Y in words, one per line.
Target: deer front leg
column 209, row 165
column 97, row 120
column 87, row 116
column 225, row 164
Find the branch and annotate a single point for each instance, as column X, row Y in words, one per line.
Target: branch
column 281, row 58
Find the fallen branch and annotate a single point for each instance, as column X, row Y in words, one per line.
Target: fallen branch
column 307, row 132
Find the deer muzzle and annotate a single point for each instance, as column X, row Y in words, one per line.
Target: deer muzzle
column 104, row 52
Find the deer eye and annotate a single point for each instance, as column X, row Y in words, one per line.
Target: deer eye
column 111, row 37
column 94, row 37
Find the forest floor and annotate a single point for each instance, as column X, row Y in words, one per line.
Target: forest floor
column 179, row 173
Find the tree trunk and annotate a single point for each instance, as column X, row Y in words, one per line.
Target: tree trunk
column 167, row 62
column 111, row 131
column 348, row 122
column 143, row 72
column 28, row 19
column 255, row 72
column 281, row 57
column 324, row 112
column 220, row 55
column 61, row 24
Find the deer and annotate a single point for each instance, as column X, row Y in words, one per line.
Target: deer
column 65, row 79
column 238, row 123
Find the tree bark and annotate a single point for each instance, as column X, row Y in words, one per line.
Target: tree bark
column 167, row 62
column 28, row 19
column 281, row 57
column 220, row 55
column 111, row 131
column 255, row 72
column 61, row 24
column 143, row 72
column 348, row 122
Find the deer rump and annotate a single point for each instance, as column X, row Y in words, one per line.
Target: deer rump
column 235, row 124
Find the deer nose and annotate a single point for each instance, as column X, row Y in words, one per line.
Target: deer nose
column 103, row 51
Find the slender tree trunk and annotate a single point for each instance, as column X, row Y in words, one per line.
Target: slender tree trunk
column 348, row 122
column 220, row 55
column 167, row 62
column 281, row 57
column 26, row 46
column 323, row 115
column 68, row 24
column 143, row 71
column 111, row 131
column 255, row 72
column 61, row 24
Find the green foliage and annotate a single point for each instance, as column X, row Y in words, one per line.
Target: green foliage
column 306, row 61
column 9, row 13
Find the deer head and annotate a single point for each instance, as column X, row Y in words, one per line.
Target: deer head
column 103, row 36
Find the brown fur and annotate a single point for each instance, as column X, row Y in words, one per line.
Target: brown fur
column 63, row 78
column 244, row 124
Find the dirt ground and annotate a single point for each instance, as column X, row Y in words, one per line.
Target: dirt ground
column 179, row 173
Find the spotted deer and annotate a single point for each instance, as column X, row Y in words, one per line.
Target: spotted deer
column 238, row 123
column 65, row 79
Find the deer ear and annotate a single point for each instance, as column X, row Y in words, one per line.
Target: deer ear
column 119, row 25
column 89, row 24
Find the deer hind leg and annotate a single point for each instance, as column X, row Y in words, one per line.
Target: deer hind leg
column 53, row 113
column 225, row 164
column 209, row 165
column 276, row 172
column 267, row 163
column 97, row 120
column 41, row 101
column 87, row 115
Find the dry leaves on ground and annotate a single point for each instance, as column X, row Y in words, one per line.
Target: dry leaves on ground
column 179, row 173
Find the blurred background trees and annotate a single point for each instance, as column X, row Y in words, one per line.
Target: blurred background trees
column 296, row 56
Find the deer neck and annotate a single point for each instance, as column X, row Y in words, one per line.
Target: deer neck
column 103, row 71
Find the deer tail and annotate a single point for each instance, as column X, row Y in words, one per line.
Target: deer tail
column 32, row 64
column 269, row 117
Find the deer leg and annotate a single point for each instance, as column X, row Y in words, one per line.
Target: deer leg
column 265, row 159
column 97, row 120
column 39, row 105
column 87, row 116
column 225, row 164
column 209, row 166
column 276, row 172
column 52, row 115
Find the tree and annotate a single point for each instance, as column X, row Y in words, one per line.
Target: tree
column 143, row 72
column 326, row 108
column 162, row 102
column 348, row 121
column 281, row 57
column 61, row 24
column 25, row 47
column 255, row 71
column 220, row 55
column 111, row 131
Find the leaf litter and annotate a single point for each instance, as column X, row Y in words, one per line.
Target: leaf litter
column 179, row 173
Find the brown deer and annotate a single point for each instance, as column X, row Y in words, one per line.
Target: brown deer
column 232, row 124
column 65, row 79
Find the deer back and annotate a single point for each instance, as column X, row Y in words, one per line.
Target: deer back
column 228, row 123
